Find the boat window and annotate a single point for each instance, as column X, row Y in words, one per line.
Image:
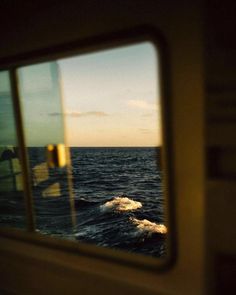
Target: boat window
column 93, row 133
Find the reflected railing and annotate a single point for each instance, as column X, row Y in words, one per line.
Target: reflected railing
column 12, row 205
column 51, row 193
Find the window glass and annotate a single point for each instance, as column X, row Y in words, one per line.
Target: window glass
column 39, row 89
column 112, row 119
column 12, row 207
column 112, row 111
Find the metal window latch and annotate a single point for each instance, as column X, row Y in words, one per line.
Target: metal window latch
column 56, row 155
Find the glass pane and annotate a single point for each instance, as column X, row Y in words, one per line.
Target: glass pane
column 39, row 88
column 112, row 109
column 12, row 206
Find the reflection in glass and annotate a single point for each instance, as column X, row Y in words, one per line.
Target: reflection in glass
column 39, row 89
column 12, row 210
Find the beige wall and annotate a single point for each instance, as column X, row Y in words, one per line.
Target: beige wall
column 220, row 65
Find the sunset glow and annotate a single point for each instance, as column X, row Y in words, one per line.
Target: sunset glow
column 111, row 98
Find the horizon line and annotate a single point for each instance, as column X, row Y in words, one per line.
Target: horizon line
column 101, row 146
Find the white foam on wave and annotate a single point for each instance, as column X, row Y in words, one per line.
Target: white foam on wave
column 146, row 226
column 121, row 204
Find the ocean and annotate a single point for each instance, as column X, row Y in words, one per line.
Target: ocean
column 116, row 189
column 118, row 195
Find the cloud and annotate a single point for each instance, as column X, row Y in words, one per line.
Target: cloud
column 142, row 104
column 80, row 114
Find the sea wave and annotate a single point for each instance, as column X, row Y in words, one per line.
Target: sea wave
column 121, row 204
column 148, row 227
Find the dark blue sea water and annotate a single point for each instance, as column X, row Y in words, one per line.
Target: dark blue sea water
column 118, row 197
column 131, row 174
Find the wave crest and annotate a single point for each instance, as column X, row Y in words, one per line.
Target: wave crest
column 146, row 226
column 121, row 204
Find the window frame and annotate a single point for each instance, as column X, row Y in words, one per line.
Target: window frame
column 89, row 45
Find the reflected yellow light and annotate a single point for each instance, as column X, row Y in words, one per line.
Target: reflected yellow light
column 53, row 190
column 56, row 155
column 40, row 173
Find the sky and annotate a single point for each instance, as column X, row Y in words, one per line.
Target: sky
column 103, row 99
column 112, row 98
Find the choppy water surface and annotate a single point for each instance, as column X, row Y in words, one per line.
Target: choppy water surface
column 118, row 198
